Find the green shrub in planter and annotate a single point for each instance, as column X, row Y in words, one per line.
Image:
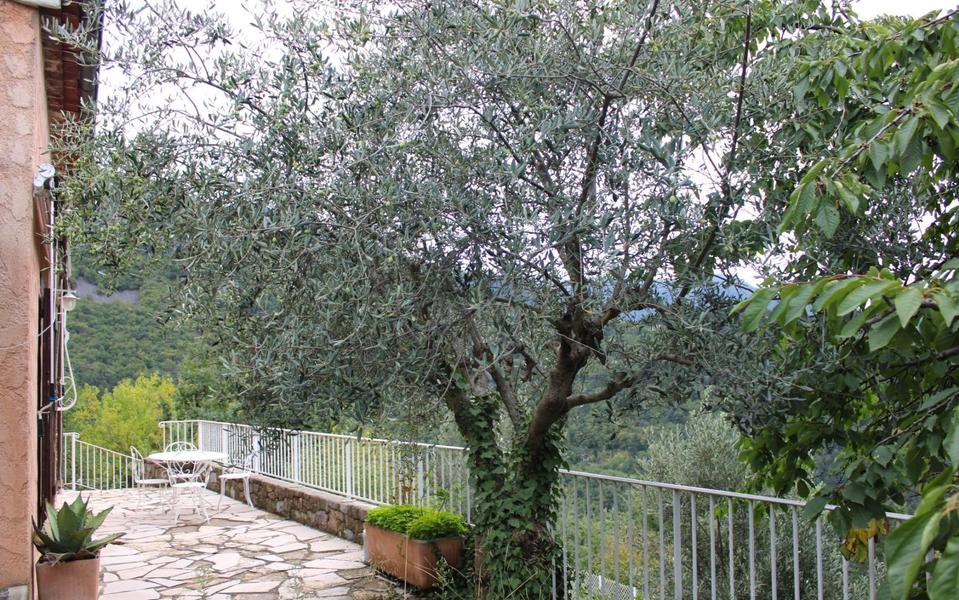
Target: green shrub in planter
column 410, row 542
column 434, row 525
column 417, row 522
column 395, row 518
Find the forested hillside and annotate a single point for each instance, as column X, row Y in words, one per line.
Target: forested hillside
column 111, row 340
column 133, row 364
column 617, row 443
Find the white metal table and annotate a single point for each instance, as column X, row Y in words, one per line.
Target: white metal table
column 186, row 456
column 173, row 461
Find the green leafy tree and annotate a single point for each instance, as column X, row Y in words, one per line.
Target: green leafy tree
column 881, row 325
column 128, row 415
column 503, row 211
column 202, row 392
column 613, row 439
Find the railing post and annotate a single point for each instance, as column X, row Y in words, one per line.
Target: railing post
column 73, row 461
column 199, row 435
column 420, row 480
column 296, row 459
column 677, row 549
column 255, row 448
column 225, row 443
column 348, row 468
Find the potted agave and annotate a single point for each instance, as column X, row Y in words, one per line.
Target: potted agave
column 69, row 565
column 407, row 542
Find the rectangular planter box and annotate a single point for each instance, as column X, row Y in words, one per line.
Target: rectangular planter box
column 413, row 561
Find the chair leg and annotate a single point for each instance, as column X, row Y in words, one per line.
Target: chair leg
column 246, row 491
column 222, row 490
column 176, row 509
column 200, row 503
column 175, row 504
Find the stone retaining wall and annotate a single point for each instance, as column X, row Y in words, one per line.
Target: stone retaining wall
column 324, row 511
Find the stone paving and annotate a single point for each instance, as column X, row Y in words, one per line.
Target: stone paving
column 242, row 553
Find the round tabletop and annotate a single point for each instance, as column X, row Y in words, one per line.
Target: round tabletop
column 188, row 456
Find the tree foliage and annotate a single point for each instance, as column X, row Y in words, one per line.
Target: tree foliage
column 127, row 415
column 888, row 397
column 503, row 210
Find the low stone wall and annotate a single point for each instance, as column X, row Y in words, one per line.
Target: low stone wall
column 324, row 511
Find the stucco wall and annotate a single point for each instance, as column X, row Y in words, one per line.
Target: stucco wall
column 23, row 137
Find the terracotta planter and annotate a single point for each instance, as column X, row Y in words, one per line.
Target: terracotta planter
column 74, row 580
column 413, row 561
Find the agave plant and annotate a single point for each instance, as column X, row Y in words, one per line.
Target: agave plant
column 67, row 534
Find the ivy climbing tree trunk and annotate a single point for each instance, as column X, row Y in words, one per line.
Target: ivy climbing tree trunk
column 516, row 495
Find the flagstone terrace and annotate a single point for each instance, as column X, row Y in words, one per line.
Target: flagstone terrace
column 242, row 553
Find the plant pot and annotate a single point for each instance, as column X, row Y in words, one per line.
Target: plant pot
column 74, row 580
column 413, row 561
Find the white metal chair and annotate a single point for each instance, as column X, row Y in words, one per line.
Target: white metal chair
column 183, row 474
column 188, row 478
column 139, row 480
column 242, row 472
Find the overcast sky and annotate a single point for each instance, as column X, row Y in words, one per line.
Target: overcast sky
column 872, row 8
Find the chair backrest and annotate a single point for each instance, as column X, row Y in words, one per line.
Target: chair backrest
column 137, row 463
column 175, row 470
column 177, row 446
column 202, row 471
column 178, row 471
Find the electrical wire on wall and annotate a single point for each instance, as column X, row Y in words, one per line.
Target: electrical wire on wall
column 73, row 384
column 61, row 301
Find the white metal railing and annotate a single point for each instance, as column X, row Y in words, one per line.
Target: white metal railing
column 627, row 538
column 86, row 466
column 621, row 538
column 372, row 470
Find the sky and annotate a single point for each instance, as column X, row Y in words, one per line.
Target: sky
column 915, row 8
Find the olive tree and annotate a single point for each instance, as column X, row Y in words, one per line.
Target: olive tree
column 500, row 210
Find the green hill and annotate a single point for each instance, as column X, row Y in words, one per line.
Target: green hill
column 124, row 335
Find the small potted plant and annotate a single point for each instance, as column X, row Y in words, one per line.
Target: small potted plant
column 69, row 565
column 407, row 542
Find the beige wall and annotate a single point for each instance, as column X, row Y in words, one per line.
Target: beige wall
column 23, row 137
